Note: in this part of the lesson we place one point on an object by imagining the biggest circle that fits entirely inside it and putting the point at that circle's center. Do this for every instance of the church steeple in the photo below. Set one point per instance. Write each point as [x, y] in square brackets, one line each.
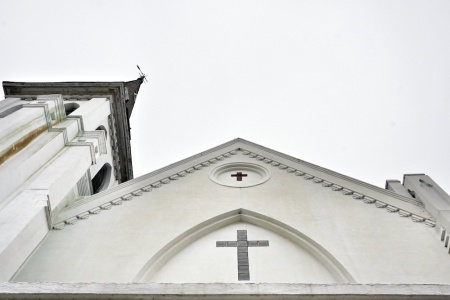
[61, 142]
[132, 90]
[122, 98]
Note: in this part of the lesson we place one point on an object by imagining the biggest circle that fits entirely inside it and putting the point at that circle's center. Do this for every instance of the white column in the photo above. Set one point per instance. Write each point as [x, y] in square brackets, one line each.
[24, 221]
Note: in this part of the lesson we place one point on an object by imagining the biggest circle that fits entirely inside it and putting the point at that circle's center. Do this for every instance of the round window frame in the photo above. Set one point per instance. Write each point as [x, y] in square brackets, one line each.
[240, 166]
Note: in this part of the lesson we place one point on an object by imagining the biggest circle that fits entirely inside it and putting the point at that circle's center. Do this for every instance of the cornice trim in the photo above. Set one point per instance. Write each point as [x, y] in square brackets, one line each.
[333, 173]
[69, 218]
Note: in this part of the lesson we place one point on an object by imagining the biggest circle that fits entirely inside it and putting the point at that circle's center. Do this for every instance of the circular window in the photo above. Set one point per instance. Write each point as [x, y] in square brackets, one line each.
[239, 175]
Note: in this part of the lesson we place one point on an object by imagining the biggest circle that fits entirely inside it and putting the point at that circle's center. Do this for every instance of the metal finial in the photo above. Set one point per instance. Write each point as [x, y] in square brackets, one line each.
[141, 74]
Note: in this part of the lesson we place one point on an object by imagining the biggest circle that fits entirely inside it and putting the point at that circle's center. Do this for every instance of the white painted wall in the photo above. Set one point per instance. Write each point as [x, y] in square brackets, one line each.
[37, 181]
[282, 261]
[118, 245]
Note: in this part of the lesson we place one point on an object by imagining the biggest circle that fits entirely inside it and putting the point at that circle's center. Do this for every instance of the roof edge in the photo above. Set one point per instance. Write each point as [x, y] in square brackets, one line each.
[280, 154]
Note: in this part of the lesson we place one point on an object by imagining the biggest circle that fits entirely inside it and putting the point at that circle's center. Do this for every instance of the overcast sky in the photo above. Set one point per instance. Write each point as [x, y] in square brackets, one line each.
[358, 87]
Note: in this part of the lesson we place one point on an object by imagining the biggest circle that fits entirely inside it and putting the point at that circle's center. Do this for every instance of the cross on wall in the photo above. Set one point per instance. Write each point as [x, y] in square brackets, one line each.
[238, 176]
[242, 245]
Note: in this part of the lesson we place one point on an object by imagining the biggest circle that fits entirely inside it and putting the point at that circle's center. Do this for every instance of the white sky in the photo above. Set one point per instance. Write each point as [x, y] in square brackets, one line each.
[359, 87]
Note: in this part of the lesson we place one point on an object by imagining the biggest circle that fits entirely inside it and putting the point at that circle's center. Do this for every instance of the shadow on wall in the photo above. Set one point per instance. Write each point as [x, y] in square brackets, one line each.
[70, 107]
[10, 110]
[101, 180]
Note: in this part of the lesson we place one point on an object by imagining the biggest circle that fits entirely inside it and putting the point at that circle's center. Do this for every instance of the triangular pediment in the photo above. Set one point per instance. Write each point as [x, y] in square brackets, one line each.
[142, 218]
[245, 152]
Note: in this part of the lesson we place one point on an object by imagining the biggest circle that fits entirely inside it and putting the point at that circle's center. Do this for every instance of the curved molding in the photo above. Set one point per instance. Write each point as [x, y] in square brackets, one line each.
[339, 272]
[257, 172]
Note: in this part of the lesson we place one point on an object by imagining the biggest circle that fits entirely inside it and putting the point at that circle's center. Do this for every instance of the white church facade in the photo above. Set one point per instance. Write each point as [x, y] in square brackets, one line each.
[236, 221]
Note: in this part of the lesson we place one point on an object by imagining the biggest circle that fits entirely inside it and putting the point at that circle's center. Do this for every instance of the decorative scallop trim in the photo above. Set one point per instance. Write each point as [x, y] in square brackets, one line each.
[336, 188]
[135, 193]
[379, 204]
[106, 206]
[404, 214]
[369, 200]
[95, 211]
[308, 177]
[392, 209]
[83, 216]
[347, 192]
[71, 221]
[117, 202]
[317, 180]
[174, 177]
[296, 172]
[358, 196]
[148, 188]
[417, 218]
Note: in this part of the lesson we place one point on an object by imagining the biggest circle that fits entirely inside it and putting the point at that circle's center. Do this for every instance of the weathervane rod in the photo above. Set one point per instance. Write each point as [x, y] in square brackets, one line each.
[141, 74]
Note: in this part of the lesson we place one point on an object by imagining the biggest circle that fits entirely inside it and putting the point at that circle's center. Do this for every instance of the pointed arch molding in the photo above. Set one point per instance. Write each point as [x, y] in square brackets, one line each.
[155, 263]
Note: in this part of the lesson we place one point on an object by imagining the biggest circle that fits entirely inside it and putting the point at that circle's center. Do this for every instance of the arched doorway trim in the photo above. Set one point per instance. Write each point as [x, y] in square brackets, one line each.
[242, 215]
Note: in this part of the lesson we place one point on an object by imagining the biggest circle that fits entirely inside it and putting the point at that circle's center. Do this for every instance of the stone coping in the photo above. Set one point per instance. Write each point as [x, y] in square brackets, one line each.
[22, 290]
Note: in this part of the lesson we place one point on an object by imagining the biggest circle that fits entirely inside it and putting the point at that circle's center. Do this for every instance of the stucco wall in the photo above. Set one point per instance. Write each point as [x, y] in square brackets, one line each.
[374, 246]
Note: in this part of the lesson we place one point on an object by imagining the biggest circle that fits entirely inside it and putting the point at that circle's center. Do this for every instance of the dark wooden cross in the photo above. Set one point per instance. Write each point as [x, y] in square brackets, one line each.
[242, 252]
[239, 176]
